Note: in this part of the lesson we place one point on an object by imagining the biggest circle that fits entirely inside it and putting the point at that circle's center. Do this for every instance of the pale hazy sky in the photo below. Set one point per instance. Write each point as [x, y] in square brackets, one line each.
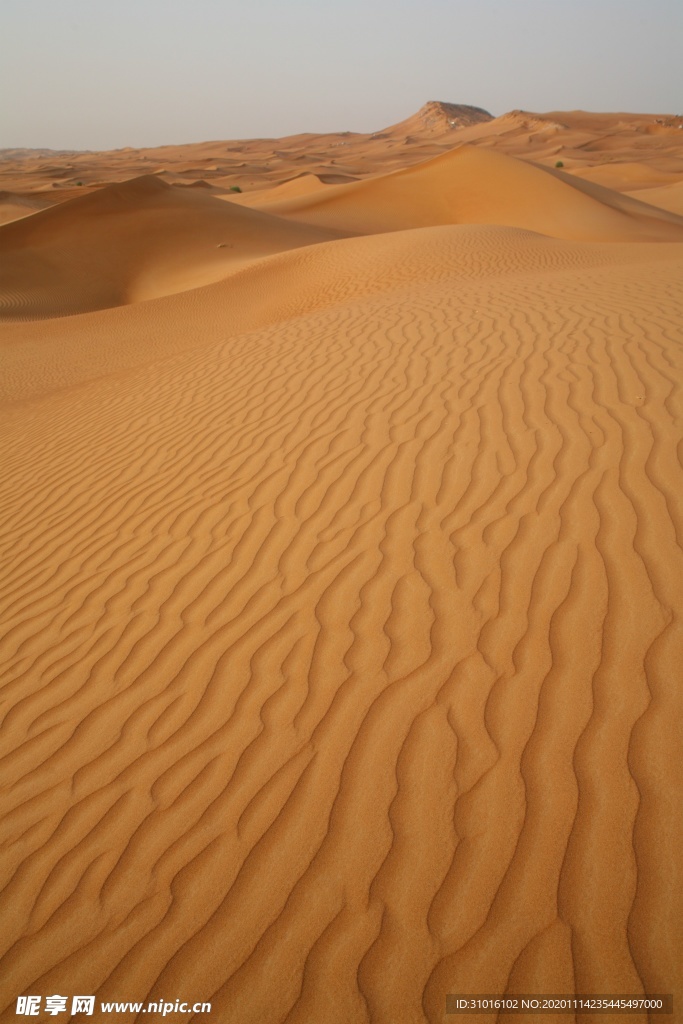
[102, 74]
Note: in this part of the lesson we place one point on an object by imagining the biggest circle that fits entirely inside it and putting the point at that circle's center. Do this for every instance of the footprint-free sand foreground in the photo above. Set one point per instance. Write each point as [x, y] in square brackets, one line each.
[342, 571]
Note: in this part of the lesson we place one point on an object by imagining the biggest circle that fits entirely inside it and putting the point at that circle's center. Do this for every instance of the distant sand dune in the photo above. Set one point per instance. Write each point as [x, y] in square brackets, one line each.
[341, 589]
[470, 185]
[302, 184]
[585, 142]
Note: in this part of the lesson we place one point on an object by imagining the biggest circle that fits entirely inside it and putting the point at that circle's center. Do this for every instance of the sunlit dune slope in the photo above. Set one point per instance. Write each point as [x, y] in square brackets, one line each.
[301, 185]
[129, 242]
[341, 646]
[472, 185]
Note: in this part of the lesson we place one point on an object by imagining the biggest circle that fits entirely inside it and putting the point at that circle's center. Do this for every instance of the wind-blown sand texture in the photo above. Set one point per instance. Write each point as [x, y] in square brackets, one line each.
[342, 572]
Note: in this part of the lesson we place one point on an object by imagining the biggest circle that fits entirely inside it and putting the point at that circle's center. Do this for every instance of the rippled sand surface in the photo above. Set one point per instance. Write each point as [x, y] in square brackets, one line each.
[341, 591]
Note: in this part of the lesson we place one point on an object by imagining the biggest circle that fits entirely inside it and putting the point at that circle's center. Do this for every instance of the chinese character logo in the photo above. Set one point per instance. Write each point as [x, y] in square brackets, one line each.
[83, 1004]
[28, 1006]
[55, 1004]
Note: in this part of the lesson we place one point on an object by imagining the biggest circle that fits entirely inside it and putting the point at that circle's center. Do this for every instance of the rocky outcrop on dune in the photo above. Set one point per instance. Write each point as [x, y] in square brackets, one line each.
[455, 115]
[529, 122]
[437, 118]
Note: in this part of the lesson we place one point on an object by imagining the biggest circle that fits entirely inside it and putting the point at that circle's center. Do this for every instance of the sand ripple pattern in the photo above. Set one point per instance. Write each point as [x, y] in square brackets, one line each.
[341, 656]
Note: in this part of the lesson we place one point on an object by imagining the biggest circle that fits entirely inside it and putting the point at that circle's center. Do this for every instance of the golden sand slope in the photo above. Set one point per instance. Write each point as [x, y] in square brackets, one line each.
[342, 607]
[130, 242]
[474, 186]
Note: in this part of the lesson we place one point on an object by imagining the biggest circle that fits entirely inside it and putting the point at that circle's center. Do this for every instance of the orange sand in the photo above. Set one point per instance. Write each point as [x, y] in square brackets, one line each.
[342, 572]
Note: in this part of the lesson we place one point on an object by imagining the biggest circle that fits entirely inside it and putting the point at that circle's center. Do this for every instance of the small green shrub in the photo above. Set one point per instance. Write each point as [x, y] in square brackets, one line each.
[79, 182]
[235, 188]
[559, 164]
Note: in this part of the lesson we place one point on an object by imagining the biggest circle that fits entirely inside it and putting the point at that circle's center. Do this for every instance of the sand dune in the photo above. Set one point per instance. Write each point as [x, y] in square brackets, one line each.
[469, 185]
[301, 185]
[145, 238]
[341, 594]
[131, 242]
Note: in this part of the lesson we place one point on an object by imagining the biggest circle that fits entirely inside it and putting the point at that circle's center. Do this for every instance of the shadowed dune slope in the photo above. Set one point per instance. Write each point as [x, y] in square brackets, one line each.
[342, 634]
[13, 207]
[129, 242]
[667, 197]
[470, 185]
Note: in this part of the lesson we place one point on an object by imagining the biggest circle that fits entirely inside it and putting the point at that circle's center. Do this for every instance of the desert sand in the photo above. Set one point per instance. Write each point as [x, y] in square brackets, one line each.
[342, 570]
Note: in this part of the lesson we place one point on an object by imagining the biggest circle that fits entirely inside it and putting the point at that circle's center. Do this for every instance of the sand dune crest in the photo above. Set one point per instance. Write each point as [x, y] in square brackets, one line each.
[128, 242]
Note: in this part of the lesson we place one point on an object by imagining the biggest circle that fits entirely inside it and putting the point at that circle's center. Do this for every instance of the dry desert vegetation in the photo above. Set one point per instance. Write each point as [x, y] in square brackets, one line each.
[342, 569]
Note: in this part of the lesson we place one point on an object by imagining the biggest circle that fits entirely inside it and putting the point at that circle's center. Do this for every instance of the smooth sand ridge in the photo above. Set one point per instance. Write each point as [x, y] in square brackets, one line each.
[668, 197]
[301, 185]
[470, 185]
[341, 655]
[130, 242]
[12, 206]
